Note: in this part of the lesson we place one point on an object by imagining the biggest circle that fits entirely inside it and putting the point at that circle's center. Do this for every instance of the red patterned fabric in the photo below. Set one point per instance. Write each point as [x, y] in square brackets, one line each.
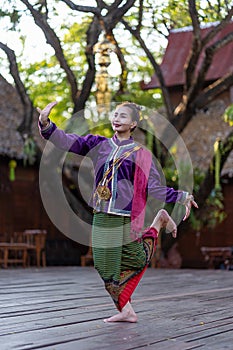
[149, 237]
[142, 170]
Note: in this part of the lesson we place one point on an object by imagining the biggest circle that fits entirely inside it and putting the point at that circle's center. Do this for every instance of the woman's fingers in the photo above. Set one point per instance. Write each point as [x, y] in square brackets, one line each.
[187, 212]
[188, 207]
[44, 113]
[194, 204]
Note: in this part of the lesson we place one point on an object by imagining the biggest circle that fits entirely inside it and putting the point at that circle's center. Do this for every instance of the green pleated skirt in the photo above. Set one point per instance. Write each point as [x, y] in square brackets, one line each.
[118, 259]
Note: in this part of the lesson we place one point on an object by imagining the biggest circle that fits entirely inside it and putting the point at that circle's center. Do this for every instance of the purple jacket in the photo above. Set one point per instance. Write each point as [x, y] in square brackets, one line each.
[103, 151]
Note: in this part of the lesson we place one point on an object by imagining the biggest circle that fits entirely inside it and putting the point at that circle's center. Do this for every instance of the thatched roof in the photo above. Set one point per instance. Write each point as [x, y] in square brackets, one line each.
[11, 116]
[11, 112]
[201, 133]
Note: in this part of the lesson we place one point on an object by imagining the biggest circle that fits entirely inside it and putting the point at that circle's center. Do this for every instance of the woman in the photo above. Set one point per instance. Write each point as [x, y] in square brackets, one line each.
[124, 176]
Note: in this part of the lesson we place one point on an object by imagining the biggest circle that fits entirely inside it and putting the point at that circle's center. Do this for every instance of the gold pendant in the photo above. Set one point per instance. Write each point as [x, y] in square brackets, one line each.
[103, 193]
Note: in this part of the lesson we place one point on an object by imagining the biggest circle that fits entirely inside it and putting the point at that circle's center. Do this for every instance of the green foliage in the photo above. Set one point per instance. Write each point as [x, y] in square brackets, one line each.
[105, 129]
[196, 224]
[228, 116]
[29, 151]
[12, 13]
[215, 213]
[46, 82]
[214, 208]
[214, 11]
[175, 13]
[136, 95]
[74, 44]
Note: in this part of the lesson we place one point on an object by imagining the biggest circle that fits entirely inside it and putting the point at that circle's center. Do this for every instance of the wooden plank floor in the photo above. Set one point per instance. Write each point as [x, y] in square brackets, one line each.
[62, 308]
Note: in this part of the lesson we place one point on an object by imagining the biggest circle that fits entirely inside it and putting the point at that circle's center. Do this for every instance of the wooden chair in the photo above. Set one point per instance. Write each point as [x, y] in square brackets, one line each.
[13, 253]
[87, 259]
[35, 241]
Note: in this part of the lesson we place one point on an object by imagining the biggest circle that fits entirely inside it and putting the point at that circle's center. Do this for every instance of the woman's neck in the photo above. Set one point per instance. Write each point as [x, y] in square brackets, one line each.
[123, 136]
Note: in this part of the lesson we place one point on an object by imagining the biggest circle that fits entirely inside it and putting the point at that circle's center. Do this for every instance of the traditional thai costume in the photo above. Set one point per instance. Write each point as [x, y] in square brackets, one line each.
[124, 176]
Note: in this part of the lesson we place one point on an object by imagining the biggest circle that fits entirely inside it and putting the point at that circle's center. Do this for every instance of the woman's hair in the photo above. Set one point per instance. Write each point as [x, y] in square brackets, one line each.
[136, 109]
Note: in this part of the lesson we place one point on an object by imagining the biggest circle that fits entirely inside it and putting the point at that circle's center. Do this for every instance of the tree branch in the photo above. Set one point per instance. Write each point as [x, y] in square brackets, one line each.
[93, 33]
[107, 23]
[115, 4]
[209, 54]
[156, 67]
[140, 16]
[213, 90]
[216, 29]
[25, 126]
[95, 10]
[54, 41]
[193, 84]
[119, 12]
[194, 54]
[121, 59]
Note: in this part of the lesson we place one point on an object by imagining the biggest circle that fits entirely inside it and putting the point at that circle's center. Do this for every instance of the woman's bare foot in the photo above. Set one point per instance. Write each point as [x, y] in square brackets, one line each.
[126, 315]
[163, 220]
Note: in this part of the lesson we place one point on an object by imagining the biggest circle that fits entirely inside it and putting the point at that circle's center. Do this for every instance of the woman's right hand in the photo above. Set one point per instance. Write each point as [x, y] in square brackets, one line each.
[44, 113]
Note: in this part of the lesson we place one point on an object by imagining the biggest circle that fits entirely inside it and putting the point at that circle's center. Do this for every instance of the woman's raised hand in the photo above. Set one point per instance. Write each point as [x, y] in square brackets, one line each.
[44, 113]
[189, 202]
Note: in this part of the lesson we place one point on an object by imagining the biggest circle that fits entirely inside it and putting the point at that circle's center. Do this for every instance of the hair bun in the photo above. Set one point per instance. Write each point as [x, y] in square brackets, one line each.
[135, 108]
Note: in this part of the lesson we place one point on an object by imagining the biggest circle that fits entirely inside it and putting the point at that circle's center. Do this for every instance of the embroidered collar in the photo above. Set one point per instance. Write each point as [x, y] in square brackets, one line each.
[122, 143]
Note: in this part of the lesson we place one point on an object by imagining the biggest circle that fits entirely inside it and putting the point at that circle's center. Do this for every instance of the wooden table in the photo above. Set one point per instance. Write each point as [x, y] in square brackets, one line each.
[16, 247]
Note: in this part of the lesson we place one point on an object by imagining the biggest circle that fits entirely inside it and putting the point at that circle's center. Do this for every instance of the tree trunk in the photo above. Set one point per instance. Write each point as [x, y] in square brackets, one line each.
[25, 127]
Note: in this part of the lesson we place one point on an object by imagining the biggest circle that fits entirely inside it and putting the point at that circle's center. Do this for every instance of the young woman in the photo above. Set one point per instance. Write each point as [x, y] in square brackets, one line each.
[124, 176]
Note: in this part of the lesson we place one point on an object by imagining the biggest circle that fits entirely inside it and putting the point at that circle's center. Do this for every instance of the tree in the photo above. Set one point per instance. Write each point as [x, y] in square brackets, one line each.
[139, 21]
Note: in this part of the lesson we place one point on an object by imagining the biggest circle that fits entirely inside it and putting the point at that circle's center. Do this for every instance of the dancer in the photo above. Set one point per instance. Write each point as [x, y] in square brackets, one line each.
[125, 175]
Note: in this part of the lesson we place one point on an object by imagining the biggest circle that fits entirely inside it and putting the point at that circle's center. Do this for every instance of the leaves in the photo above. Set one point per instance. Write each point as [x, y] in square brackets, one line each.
[29, 150]
[228, 116]
[215, 213]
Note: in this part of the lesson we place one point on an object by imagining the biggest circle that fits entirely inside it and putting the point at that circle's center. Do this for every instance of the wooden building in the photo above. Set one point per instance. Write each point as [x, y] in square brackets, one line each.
[21, 206]
[175, 56]
[201, 133]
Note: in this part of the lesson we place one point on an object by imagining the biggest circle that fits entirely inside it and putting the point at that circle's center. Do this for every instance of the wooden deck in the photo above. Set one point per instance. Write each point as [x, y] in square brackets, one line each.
[62, 308]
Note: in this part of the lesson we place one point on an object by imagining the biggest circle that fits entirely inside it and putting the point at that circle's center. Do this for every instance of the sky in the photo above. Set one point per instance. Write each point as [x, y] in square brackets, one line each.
[35, 47]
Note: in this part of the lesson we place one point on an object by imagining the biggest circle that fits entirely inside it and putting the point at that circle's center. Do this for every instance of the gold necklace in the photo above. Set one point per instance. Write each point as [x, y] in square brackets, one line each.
[102, 190]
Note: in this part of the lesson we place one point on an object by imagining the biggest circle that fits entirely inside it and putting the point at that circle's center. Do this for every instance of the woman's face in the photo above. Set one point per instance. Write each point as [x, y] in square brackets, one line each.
[122, 120]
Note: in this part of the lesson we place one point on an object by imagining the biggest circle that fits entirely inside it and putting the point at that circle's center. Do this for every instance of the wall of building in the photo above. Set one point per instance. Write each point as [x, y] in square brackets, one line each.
[220, 236]
[21, 208]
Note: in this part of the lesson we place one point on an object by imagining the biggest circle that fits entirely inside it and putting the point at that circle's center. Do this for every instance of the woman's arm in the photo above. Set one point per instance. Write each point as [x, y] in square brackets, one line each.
[62, 140]
[169, 194]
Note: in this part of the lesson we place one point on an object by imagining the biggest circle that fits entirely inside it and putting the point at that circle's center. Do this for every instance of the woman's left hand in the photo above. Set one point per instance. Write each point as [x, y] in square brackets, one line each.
[189, 202]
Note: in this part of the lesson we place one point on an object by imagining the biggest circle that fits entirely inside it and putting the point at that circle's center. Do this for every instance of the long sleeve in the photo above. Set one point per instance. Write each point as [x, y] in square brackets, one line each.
[161, 192]
[70, 142]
